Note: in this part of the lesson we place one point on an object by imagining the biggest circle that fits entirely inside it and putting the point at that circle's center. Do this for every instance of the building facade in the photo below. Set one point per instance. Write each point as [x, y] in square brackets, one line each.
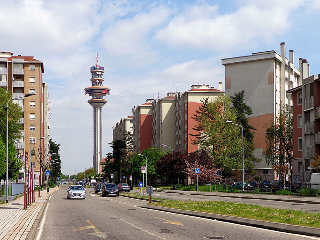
[306, 126]
[265, 77]
[22, 75]
[142, 126]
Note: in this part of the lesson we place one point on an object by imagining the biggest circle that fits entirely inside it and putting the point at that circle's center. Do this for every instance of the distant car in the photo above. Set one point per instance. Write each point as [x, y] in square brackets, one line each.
[76, 191]
[109, 189]
[97, 188]
[124, 187]
[238, 185]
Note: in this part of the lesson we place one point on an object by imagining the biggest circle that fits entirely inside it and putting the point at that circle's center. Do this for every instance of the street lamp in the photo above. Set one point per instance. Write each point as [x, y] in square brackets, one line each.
[7, 150]
[228, 121]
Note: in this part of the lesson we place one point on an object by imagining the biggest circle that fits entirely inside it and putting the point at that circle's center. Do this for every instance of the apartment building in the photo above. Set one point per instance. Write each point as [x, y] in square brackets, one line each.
[163, 123]
[22, 75]
[142, 126]
[123, 126]
[306, 126]
[186, 105]
[265, 77]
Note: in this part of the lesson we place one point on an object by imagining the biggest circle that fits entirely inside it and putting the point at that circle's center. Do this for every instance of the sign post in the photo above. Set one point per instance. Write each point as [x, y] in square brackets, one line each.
[143, 170]
[197, 171]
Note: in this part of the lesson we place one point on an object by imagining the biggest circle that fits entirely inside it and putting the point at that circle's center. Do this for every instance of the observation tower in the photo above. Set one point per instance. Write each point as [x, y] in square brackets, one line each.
[97, 91]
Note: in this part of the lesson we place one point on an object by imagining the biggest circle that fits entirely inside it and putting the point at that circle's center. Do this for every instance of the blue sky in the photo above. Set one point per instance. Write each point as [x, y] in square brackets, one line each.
[148, 48]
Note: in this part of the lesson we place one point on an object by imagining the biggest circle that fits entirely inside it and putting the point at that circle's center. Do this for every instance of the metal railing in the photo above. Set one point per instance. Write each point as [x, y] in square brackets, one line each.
[309, 102]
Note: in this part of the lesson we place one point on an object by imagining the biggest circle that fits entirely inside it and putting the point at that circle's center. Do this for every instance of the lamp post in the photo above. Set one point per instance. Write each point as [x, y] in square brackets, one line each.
[242, 151]
[7, 150]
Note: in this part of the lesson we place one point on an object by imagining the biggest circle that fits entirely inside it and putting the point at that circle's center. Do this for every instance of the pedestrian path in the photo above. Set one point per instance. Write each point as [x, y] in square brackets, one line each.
[15, 221]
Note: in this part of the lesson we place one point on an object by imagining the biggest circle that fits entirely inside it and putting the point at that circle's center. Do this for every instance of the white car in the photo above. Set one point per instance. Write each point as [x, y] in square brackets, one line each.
[76, 191]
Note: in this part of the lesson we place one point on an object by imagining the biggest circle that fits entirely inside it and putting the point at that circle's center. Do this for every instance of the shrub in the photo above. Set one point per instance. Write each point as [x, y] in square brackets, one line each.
[283, 192]
[308, 192]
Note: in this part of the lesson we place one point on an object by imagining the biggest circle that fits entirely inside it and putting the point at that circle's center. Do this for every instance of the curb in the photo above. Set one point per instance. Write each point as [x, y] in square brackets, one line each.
[281, 227]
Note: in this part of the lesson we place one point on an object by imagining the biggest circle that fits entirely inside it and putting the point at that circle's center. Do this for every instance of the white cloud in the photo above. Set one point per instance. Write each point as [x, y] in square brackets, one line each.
[255, 21]
[128, 37]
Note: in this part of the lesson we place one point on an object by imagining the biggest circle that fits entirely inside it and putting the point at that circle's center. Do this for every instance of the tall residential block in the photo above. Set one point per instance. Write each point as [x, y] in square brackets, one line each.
[265, 77]
[163, 123]
[142, 126]
[97, 92]
[22, 75]
[306, 126]
[186, 105]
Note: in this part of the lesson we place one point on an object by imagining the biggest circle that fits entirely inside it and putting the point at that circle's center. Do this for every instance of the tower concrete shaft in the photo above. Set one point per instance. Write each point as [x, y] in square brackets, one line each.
[97, 91]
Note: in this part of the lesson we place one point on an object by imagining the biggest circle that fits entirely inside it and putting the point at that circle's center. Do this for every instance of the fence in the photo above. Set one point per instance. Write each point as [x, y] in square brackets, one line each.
[13, 189]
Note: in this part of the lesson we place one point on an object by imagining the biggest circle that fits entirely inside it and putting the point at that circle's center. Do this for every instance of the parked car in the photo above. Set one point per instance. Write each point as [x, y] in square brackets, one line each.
[97, 187]
[264, 184]
[124, 187]
[76, 191]
[252, 185]
[238, 185]
[109, 189]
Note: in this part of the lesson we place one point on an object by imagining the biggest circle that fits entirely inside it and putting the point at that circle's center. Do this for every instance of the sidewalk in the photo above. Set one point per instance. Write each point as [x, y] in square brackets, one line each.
[16, 222]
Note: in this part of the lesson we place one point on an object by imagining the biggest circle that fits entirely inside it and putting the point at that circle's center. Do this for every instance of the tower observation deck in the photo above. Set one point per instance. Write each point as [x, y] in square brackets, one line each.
[97, 91]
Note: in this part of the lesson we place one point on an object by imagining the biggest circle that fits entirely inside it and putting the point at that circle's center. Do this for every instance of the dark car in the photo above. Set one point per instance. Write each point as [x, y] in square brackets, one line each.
[109, 189]
[97, 188]
[238, 185]
[124, 187]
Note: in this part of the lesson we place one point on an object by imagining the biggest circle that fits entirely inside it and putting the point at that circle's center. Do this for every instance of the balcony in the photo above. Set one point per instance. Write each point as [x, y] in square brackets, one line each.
[18, 84]
[3, 83]
[309, 152]
[3, 71]
[19, 71]
[309, 127]
[20, 145]
[308, 103]
[17, 95]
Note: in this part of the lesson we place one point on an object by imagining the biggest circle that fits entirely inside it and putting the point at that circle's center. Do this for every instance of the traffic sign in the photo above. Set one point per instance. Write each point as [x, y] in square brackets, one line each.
[143, 169]
[112, 176]
[140, 184]
[149, 190]
[197, 170]
[48, 173]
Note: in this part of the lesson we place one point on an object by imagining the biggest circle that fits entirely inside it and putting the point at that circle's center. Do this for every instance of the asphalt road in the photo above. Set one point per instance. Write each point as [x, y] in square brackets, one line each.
[120, 218]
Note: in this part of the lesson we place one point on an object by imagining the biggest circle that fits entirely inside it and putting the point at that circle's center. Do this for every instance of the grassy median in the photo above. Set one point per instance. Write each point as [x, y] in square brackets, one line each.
[243, 210]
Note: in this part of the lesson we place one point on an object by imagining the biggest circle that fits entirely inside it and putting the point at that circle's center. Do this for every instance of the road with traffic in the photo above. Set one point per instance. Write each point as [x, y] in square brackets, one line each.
[121, 218]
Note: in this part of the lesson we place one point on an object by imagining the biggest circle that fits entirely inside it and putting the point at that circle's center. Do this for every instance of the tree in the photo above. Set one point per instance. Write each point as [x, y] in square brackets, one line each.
[208, 171]
[315, 164]
[14, 133]
[172, 166]
[152, 156]
[242, 111]
[55, 160]
[279, 143]
[221, 140]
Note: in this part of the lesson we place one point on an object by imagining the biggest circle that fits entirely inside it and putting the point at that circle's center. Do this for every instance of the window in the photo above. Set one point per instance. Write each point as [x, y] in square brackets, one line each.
[299, 144]
[33, 152]
[32, 67]
[32, 79]
[32, 116]
[307, 165]
[300, 169]
[32, 140]
[299, 98]
[32, 103]
[265, 171]
[32, 128]
[32, 91]
[299, 121]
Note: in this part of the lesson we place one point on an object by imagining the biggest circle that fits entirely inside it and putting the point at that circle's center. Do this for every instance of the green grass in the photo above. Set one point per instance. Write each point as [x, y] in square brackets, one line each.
[247, 211]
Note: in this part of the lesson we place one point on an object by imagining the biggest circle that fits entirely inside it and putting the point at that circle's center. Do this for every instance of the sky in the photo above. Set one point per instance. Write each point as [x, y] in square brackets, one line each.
[148, 48]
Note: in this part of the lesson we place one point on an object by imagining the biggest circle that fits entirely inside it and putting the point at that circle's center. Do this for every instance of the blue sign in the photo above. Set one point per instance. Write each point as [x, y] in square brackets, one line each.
[48, 173]
[58, 178]
[140, 184]
[197, 170]
[124, 177]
